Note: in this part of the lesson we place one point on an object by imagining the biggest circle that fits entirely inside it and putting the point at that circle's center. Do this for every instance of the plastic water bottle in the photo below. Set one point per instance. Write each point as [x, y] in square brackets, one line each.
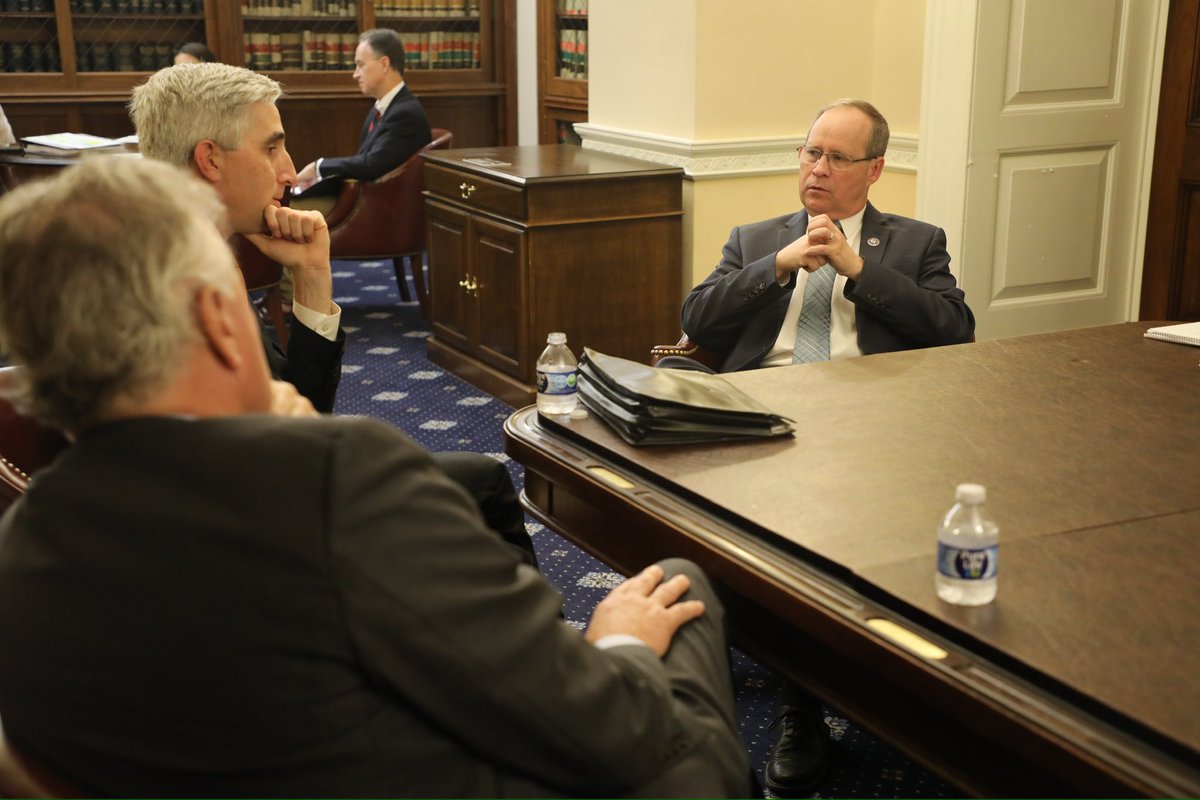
[968, 550]
[557, 377]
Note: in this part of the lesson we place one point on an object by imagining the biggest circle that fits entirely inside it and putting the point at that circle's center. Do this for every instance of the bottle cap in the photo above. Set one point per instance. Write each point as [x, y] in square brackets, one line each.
[556, 338]
[970, 493]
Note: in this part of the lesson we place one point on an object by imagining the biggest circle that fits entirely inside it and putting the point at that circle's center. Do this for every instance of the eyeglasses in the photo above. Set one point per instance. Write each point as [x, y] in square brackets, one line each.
[809, 156]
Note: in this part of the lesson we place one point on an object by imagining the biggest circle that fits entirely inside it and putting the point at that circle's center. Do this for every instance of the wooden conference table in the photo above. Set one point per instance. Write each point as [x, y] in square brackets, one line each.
[1082, 678]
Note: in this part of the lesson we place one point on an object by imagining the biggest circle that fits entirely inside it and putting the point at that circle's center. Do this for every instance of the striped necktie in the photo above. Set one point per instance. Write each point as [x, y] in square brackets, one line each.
[812, 330]
[374, 119]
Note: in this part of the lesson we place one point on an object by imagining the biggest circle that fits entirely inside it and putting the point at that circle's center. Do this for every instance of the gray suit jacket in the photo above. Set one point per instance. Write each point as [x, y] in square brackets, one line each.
[904, 299]
[169, 627]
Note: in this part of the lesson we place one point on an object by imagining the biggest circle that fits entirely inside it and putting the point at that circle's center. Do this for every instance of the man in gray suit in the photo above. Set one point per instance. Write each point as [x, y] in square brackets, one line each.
[837, 279]
[886, 279]
[164, 632]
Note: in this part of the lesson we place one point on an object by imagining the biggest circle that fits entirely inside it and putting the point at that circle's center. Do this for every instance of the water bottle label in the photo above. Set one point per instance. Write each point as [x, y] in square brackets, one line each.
[966, 564]
[556, 383]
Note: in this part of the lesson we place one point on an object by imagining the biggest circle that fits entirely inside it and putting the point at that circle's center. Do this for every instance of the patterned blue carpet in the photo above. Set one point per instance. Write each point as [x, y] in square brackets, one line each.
[385, 375]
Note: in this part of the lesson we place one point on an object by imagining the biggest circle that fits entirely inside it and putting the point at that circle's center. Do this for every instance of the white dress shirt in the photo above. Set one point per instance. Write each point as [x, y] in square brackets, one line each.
[843, 329]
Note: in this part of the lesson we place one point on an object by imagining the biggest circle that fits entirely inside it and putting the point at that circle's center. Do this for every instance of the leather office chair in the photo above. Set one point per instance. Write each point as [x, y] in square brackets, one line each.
[21, 775]
[26, 445]
[686, 347]
[385, 218]
[261, 272]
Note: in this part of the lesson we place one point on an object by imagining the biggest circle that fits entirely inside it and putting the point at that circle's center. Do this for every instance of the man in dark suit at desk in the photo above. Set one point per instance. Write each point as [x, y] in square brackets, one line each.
[221, 123]
[394, 129]
[837, 279]
[164, 633]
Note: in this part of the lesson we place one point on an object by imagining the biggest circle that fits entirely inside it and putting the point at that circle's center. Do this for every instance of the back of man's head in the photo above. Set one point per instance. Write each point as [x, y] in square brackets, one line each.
[180, 106]
[96, 284]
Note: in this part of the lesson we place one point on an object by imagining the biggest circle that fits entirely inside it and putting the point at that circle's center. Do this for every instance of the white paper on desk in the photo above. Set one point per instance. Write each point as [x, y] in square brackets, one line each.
[1183, 333]
[71, 141]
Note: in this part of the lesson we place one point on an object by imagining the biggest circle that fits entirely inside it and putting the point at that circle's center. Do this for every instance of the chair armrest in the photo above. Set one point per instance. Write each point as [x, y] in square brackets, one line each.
[687, 348]
[347, 199]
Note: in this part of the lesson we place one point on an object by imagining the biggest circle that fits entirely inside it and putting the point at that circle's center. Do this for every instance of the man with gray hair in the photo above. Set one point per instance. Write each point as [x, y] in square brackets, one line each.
[221, 123]
[395, 128]
[164, 633]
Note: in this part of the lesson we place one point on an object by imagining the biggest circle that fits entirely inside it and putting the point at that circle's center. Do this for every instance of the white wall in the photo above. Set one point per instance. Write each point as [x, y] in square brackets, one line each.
[527, 85]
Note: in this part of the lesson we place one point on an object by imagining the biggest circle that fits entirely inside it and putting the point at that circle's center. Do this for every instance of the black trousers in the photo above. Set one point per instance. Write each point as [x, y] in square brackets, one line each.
[487, 480]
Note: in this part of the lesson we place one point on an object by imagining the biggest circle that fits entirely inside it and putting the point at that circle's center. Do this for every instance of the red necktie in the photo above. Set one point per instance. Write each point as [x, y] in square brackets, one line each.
[374, 119]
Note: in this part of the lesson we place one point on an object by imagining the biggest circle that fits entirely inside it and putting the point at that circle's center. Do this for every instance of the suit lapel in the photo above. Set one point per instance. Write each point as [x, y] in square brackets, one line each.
[874, 229]
[792, 230]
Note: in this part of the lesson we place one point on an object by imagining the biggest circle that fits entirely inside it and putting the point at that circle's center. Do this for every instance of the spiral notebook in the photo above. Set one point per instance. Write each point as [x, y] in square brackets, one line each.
[1183, 333]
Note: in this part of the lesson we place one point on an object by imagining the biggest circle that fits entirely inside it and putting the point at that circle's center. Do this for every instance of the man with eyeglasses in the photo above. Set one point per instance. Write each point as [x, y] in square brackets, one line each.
[835, 280]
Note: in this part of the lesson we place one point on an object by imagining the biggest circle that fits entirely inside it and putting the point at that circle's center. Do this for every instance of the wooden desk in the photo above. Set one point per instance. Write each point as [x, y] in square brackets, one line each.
[17, 168]
[1082, 676]
[528, 240]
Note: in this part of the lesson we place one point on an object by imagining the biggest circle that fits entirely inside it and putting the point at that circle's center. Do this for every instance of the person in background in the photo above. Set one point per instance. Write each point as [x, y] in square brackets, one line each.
[836, 279]
[194, 53]
[394, 130]
[6, 132]
[220, 122]
[187, 642]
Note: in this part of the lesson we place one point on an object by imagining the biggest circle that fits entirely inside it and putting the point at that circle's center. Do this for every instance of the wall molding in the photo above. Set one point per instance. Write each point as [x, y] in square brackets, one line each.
[724, 158]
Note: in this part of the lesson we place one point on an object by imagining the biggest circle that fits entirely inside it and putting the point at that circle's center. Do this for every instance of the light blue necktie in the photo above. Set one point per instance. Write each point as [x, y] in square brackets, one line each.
[812, 332]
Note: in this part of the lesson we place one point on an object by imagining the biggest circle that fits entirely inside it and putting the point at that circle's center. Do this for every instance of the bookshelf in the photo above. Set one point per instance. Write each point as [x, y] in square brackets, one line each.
[69, 65]
[562, 69]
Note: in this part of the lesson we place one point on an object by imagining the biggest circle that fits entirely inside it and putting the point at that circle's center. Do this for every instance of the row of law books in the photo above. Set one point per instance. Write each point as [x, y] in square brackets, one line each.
[322, 50]
[163, 7]
[346, 9]
[303, 50]
[427, 8]
[572, 54]
[122, 56]
[448, 49]
[573, 8]
[27, 6]
[30, 57]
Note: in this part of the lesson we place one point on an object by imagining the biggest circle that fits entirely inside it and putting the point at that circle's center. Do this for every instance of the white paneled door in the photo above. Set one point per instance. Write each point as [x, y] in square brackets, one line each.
[1056, 169]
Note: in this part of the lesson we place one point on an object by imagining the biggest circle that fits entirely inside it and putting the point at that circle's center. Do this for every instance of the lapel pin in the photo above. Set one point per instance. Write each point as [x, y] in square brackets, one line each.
[873, 241]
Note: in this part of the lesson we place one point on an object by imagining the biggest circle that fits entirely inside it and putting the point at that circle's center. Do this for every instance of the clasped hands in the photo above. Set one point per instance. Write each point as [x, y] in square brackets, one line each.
[821, 244]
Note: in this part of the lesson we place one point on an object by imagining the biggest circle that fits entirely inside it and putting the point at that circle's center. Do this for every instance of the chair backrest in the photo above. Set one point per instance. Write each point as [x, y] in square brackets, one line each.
[259, 271]
[387, 218]
[26, 445]
[21, 775]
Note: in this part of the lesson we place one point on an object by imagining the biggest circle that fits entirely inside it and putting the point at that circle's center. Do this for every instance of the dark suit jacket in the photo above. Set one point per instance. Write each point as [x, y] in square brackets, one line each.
[313, 364]
[403, 130]
[168, 629]
[904, 299]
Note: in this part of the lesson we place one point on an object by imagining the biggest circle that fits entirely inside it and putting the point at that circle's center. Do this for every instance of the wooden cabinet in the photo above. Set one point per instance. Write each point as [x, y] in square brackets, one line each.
[70, 64]
[528, 240]
[562, 69]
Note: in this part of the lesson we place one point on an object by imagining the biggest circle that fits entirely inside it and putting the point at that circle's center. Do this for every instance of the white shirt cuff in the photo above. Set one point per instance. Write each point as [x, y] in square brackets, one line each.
[319, 160]
[618, 640]
[325, 324]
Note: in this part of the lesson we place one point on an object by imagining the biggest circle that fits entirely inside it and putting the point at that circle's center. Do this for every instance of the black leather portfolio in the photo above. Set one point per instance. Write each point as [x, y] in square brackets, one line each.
[646, 405]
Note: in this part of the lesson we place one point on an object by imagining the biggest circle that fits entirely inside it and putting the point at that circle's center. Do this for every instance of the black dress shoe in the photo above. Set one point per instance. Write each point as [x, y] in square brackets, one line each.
[800, 757]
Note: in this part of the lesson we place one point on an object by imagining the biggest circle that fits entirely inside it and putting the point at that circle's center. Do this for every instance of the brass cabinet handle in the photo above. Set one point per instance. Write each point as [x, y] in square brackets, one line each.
[469, 285]
[465, 190]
